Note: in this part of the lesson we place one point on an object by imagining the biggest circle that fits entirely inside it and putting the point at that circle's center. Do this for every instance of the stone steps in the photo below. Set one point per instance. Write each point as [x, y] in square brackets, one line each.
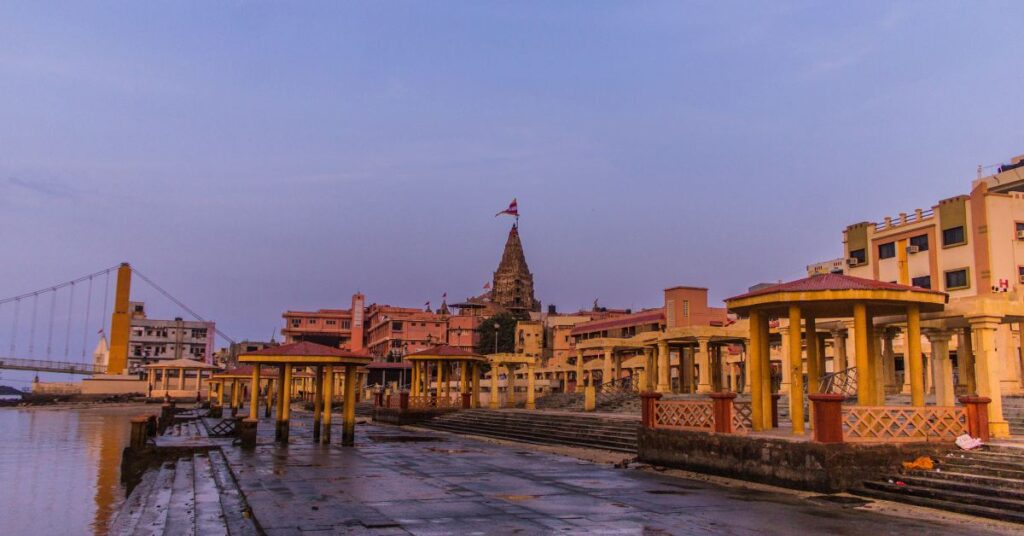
[194, 495]
[987, 483]
[536, 427]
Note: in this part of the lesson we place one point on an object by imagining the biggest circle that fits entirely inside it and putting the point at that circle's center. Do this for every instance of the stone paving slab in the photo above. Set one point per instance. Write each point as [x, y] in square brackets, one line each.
[401, 481]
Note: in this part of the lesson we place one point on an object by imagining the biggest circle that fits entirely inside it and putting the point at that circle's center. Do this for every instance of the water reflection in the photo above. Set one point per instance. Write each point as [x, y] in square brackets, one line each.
[61, 468]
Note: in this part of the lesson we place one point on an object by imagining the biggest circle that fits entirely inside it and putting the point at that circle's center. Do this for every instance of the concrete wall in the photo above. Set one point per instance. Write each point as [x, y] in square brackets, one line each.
[114, 386]
[793, 464]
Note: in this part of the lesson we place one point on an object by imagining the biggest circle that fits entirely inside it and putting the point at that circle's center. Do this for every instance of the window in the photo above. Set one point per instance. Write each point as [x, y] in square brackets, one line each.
[1020, 274]
[859, 255]
[925, 281]
[296, 322]
[331, 322]
[956, 279]
[396, 326]
[887, 251]
[921, 241]
[953, 236]
[686, 308]
[345, 324]
[312, 321]
[1020, 231]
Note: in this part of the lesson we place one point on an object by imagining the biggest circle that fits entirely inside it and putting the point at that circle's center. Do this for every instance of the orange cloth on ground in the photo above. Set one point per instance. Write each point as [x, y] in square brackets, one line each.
[924, 463]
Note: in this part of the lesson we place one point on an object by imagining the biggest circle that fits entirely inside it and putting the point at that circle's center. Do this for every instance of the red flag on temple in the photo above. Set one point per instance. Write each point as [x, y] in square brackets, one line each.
[487, 286]
[512, 210]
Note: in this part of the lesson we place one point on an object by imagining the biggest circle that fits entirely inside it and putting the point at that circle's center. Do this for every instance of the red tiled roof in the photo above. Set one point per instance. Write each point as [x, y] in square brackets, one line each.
[444, 350]
[636, 319]
[824, 282]
[306, 348]
[246, 370]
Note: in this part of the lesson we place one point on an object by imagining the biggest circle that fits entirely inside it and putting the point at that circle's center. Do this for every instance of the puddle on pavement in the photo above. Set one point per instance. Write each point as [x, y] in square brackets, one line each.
[450, 451]
[401, 439]
[667, 492]
[517, 497]
[841, 500]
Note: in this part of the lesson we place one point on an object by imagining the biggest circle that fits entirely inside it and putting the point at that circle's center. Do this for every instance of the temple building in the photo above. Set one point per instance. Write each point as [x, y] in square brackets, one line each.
[512, 288]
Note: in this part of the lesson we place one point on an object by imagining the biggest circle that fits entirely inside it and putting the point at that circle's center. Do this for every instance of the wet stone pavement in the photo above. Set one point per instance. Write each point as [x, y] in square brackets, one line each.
[400, 481]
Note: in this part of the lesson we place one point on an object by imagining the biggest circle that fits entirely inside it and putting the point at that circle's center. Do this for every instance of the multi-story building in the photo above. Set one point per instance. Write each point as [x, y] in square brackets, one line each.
[338, 328]
[970, 246]
[832, 266]
[153, 340]
[228, 357]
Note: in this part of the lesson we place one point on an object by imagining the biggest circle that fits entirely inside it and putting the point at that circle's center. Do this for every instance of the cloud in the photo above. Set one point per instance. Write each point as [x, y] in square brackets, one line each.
[49, 188]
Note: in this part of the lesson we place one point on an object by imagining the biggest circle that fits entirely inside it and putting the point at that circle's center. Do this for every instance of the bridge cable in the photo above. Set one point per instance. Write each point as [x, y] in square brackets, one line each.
[67, 334]
[14, 328]
[179, 303]
[85, 325]
[32, 330]
[57, 287]
[49, 329]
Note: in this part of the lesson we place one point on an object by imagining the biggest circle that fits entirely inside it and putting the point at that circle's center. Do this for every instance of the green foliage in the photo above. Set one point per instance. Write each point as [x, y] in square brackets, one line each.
[506, 334]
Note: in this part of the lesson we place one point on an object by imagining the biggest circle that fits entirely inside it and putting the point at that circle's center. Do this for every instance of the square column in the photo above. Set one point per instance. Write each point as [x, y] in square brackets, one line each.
[348, 422]
[578, 388]
[1009, 357]
[913, 350]
[785, 354]
[664, 381]
[651, 370]
[606, 372]
[325, 434]
[495, 402]
[796, 391]
[865, 397]
[686, 370]
[942, 367]
[839, 362]
[889, 360]
[766, 372]
[965, 360]
[814, 356]
[254, 394]
[988, 372]
[475, 398]
[318, 401]
[530, 388]
[703, 359]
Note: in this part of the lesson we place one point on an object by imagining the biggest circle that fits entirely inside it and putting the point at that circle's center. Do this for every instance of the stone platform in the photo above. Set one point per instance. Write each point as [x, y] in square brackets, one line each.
[398, 481]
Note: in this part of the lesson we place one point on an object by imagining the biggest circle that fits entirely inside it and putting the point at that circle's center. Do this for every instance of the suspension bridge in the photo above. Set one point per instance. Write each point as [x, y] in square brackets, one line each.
[53, 329]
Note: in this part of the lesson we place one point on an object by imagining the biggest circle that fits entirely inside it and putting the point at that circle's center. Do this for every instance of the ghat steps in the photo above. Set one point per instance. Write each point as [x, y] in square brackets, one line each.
[985, 483]
[571, 429]
[193, 495]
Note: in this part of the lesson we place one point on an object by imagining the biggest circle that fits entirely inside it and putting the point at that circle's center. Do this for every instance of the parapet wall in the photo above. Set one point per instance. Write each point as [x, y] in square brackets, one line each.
[826, 468]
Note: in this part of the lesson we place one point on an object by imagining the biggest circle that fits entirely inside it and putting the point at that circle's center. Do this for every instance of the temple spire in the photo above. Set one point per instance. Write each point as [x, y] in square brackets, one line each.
[513, 282]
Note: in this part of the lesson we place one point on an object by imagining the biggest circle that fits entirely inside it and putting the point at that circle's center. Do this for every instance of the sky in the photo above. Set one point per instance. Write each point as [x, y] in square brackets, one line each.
[253, 157]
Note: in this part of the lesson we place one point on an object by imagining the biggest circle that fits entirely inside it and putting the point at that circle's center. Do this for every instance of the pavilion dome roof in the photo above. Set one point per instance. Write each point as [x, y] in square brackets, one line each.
[825, 282]
[306, 348]
[444, 351]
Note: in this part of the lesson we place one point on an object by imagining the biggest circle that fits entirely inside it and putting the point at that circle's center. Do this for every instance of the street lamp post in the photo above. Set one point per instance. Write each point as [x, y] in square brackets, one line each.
[496, 327]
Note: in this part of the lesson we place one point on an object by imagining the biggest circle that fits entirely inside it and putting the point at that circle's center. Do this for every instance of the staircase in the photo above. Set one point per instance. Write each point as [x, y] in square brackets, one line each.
[985, 483]
[562, 401]
[195, 494]
[1013, 412]
[571, 429]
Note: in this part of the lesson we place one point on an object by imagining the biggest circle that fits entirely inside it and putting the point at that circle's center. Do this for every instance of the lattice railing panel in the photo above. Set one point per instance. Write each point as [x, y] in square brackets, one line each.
[684, 415]
[887, 424]
[742, 417]
[428, 401]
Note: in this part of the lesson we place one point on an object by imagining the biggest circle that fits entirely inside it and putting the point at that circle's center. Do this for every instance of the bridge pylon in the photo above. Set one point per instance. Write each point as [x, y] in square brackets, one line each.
[121, 321]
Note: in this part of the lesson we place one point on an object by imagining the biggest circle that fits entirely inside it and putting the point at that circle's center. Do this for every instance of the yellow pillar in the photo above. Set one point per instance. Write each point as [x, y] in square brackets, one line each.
[120, 322]
[318, 401]
[463, 377]
[754, 372]
[796, 390]
[913, 351]
[254, 393]
[234, 395]
[495, 397]
[766, 369]
[150, 379]
[325, 435]
[861, 342]
[181, 379]
[348, 424]
[475, 399]
[440, 378]
[530, 388]
[579, 370]
[607, 376]
[650, 369]
[814, 359]
[165, 379]
[988, 372]
[664, 381]
[703, 365]
[965, 360]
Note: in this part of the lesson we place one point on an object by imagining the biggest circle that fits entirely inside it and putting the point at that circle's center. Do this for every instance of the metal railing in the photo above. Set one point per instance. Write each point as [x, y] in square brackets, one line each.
[843, 382]
[41, 365]
[900, 424]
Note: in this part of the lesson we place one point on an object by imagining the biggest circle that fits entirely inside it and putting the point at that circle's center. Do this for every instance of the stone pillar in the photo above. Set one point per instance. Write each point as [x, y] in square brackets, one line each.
[814, 358]
[703, 358]
[664, 381]
[181, 379]
[888, 361]
[650, 370]
[839, 362]
[988, 373]
[530, 388]
[1009, 357]
[942, 368]
[768, 400]
[495, 402]
[165, 379]
[476, 385]
[965, 360]
[785, 355]
[578, 388]
[325, 435]
[745, 370]
[913, 350]
[686, 369]
[234, 398]
[796, 391]
[348, 423]
[607, 376]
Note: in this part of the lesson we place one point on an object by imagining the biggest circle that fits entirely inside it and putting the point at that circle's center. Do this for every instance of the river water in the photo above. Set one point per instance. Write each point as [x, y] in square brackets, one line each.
[61, 468]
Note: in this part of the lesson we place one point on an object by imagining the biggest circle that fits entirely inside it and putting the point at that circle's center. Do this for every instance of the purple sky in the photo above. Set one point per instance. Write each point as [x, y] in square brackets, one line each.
[255, 157]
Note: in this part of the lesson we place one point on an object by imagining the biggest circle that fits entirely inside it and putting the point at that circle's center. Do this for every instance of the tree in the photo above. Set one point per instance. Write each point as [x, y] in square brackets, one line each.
[506, 334]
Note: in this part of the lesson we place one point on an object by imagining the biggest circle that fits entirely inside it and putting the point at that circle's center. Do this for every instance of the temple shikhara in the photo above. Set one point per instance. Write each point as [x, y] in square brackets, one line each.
[512, 288]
